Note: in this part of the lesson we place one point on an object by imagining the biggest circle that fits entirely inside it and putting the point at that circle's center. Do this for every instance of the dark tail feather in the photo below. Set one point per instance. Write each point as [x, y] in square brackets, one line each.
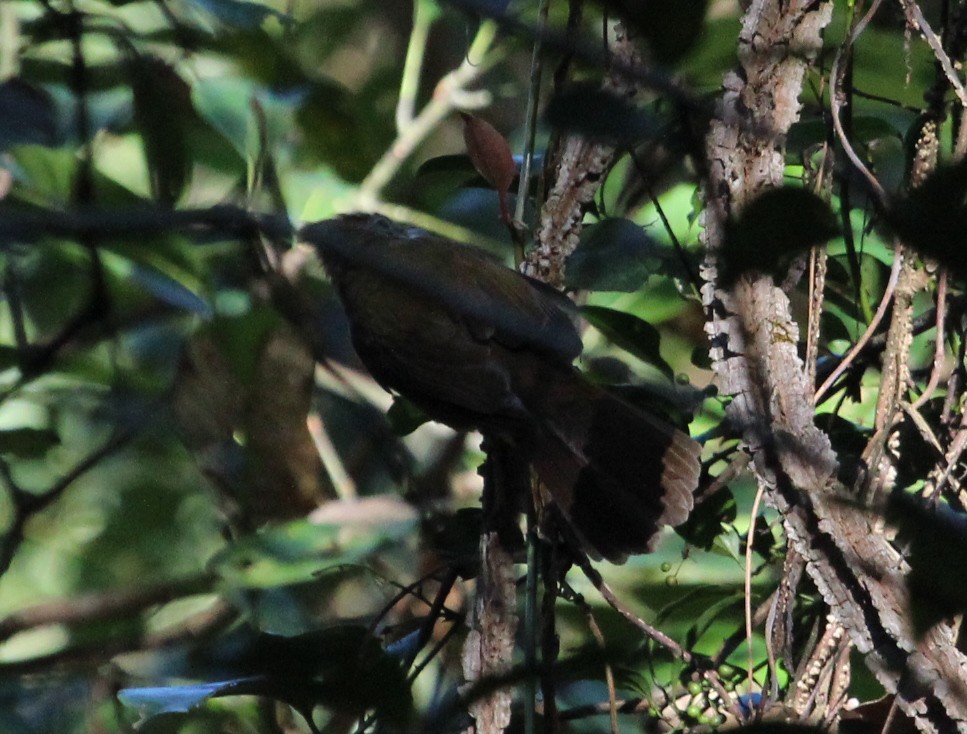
[617, 473]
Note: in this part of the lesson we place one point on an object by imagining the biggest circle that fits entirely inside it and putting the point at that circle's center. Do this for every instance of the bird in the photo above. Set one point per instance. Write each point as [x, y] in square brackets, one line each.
[479, 346]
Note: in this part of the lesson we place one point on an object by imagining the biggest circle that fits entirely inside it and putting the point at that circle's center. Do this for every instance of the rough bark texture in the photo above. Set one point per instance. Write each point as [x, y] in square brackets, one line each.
[754, 348]
[580, 171]
[489, 649]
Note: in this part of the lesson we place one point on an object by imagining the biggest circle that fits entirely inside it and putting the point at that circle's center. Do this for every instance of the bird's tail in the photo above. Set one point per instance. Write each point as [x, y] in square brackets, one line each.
[617, 473]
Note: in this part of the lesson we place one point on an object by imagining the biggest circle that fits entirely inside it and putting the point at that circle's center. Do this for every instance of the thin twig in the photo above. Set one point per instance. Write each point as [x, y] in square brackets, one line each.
[609, 596]
[101, 606]
[425, 13]
[938, 351]
[530, 116]
[753, 516]
[836, 101]
[861, 342]
[450, 93]
[916, 20]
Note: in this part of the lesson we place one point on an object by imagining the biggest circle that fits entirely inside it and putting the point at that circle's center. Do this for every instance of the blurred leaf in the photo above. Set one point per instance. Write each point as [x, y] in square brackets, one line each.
[711, 613]
[457, 163]
[728, 543]
[239, 14]
[932, 219]
[43, 175]
[10, 356]
[774, 228]
[27, 113]
[707, 521]
[27, 443]
[343, 668]
[225, 104]
[613, 255]
[335, 131]
[169, 699]
[600, 116]
[340, 533]
[170, 291]
[315, 38]
[162, 112]
[672, 29]
[636, 336]
[933, 535]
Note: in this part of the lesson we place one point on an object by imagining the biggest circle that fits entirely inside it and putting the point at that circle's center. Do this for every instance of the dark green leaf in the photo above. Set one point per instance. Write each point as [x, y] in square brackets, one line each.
[27, 443]
[27, 113]
[934, 535]
[774, 228]
[599, 115]
[614, 255]
[635, 335]
[705, 522]
[405, 417]
[162, 112]
[335, 131]
[343, 668]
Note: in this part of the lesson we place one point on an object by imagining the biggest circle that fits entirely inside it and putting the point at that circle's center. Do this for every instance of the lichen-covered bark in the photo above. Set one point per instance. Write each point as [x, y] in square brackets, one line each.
[755, 354]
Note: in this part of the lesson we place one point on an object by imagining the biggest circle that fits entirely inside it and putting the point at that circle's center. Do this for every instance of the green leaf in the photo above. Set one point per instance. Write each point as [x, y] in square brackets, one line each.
[613, 255]
[709, 519]
[162, 112]
[778, 225]
[299, 551]
[226, 104]
[43, 175]
[728, 544]
[335, 130]
[635, 335]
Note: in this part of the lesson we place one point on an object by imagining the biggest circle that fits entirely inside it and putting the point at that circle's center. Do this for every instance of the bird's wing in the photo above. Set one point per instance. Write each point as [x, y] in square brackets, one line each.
[412, 345]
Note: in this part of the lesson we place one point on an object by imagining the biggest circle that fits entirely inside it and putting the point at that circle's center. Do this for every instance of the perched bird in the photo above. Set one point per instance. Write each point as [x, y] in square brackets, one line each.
[478, 345]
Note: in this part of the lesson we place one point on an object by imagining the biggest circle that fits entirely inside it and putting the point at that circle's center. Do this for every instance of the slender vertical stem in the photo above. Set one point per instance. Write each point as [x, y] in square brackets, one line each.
[530, 119]
[425, 13]
[530, 624]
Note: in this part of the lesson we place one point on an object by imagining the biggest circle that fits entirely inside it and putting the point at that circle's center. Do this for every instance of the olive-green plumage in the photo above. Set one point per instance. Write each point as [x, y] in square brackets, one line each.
[478, 345]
